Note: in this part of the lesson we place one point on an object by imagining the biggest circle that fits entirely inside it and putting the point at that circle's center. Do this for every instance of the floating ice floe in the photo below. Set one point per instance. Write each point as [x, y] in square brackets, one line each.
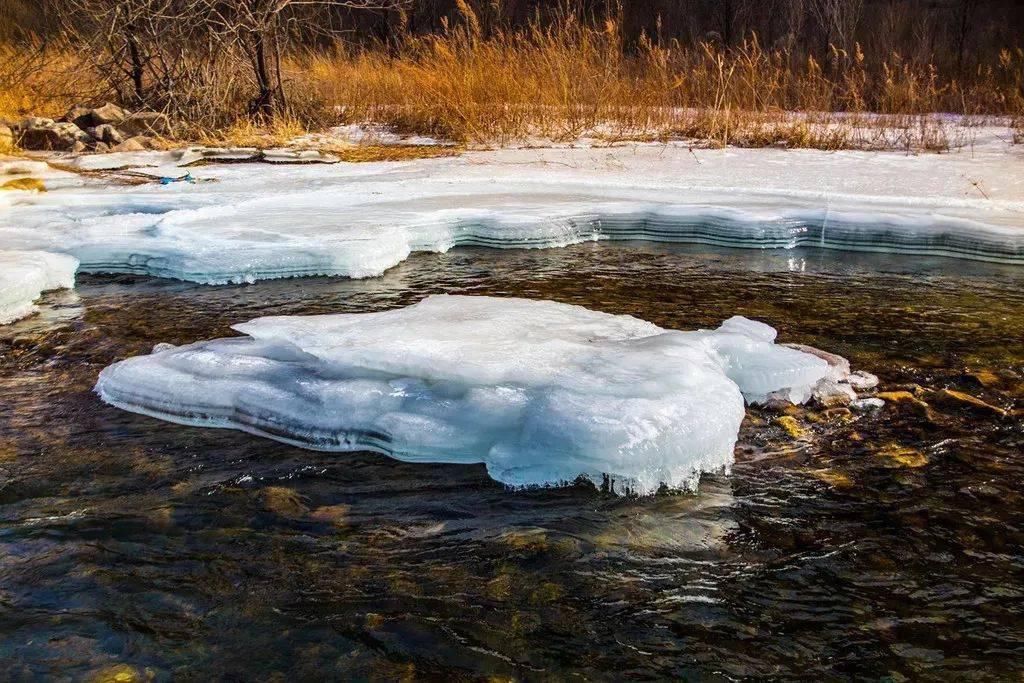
[540, 392]
[25, 275]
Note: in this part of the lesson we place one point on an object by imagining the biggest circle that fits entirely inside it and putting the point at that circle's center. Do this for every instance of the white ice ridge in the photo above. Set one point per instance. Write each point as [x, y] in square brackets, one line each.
[260, 221]
[25, 275]
[540, 392]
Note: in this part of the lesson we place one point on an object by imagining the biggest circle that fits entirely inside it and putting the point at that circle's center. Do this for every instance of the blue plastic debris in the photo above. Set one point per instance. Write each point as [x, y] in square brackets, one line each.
[187, 178]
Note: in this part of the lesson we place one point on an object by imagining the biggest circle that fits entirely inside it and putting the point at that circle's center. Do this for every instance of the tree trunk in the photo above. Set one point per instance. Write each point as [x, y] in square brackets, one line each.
[264, 105]
[137, 67]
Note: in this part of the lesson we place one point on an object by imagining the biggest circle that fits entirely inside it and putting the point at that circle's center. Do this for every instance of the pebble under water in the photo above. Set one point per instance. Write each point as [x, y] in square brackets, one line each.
[885, 545]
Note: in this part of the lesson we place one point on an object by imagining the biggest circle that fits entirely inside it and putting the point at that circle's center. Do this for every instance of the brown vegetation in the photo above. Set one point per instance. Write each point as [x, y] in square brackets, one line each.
[572, 80]
[808, 73]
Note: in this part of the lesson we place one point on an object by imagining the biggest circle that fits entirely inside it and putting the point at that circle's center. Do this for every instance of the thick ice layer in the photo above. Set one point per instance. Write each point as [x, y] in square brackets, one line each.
[258, 221]
[24, 275]
[540, 392]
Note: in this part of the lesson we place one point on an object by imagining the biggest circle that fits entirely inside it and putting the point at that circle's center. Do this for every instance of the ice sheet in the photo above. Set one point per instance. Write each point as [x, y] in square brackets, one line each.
[258, 221]
[24, 275]
[541, 392]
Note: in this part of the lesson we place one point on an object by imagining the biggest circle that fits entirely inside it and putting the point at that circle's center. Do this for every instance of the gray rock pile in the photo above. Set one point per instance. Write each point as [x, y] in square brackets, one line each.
[83, 129]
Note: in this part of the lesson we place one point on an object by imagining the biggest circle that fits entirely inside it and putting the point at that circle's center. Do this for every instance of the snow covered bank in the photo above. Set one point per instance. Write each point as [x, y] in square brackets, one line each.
[24, 275]
[540, 392]
[258, 221]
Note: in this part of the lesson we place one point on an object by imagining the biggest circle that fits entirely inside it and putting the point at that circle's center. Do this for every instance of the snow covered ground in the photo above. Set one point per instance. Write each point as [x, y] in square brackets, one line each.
[541, 392]
[245, 222]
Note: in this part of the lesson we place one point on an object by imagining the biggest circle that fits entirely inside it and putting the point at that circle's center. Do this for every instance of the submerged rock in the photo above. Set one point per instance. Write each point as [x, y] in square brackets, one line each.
[830, 393]
[790, 425]
[904, 400]
[898, 456]
[958, 400]
[836, 480]
[867, 405]
[862, 381]
[283, 501]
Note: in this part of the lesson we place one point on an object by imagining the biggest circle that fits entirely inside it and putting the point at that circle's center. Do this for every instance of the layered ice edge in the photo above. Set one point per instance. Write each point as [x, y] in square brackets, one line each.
[314, 242]
[25, 275]
[540, 392]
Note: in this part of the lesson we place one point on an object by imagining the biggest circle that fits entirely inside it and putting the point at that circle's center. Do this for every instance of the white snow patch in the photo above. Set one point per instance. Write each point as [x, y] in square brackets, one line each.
[25, 275]
[541, 392]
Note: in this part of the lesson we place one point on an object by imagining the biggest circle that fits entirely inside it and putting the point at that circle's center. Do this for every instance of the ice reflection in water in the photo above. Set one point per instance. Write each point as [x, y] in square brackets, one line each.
[127, 542]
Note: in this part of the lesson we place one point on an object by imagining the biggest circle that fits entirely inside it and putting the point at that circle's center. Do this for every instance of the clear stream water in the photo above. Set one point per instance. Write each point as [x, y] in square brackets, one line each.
[132, 546]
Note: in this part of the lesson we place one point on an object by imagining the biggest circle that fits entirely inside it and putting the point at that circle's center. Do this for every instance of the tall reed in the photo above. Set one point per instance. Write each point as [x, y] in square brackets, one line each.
[562, 81]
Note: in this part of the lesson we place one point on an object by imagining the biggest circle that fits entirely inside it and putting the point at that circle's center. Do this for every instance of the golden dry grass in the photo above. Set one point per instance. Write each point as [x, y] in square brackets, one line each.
[570, 80]
[563, 82]
[246, 133]
[33, 83]
[368, 153]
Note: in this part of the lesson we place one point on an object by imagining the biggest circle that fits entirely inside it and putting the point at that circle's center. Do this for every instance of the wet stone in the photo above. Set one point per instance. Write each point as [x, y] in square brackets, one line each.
[958, 400]
[793, 428]
[898, 456]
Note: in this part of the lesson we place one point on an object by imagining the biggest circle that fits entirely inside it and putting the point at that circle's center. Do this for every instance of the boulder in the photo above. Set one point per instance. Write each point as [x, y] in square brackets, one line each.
[106, 132]
[50, 136]
[138, 143]
[145, 123]
[33, 122]
[85, 117]
[108, 114]
[80, 116]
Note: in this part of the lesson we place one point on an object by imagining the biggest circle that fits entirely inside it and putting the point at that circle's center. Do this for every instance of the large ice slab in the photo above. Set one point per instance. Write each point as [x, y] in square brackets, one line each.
[25, 275]
[247, 222]
[541, 392]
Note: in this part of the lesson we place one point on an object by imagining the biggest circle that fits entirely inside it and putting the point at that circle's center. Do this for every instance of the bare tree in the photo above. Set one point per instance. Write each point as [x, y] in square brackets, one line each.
[258, 27]
[838, 20]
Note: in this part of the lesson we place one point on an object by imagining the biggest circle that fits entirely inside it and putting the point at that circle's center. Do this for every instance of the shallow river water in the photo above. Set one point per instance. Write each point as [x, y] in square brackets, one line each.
[888, 545]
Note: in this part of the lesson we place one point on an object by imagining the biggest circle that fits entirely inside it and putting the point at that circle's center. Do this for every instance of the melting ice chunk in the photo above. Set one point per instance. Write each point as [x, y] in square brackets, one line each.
[24, 275]
[541, 392]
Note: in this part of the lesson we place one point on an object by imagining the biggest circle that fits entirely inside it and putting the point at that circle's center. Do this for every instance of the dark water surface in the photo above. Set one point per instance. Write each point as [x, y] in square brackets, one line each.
[882, 546]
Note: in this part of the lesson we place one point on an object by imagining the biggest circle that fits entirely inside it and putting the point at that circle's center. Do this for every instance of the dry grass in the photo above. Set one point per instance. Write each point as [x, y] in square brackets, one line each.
[38, 83]
[246, 133]
[367, 153]
[565, 82]
[562, 82]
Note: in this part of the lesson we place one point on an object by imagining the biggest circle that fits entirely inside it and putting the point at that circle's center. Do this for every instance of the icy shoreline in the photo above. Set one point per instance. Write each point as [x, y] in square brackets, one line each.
[540, 392]
[247, 222]
[25, 275]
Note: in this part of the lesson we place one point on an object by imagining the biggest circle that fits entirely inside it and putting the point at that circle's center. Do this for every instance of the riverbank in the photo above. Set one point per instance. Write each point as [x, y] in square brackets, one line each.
[300, 211]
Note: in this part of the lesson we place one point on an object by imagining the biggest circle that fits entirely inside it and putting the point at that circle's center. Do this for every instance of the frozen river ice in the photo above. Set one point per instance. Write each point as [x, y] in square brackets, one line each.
[542, 393]
[249, 222]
